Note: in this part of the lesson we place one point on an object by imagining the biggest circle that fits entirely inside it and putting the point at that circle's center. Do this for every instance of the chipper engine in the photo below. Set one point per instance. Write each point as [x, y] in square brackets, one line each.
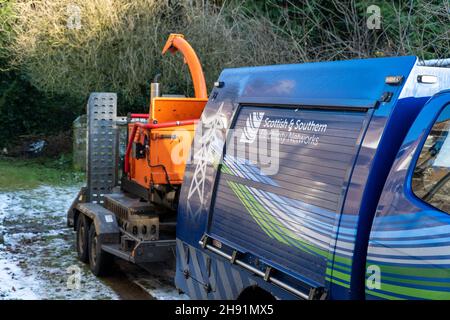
[131, 212]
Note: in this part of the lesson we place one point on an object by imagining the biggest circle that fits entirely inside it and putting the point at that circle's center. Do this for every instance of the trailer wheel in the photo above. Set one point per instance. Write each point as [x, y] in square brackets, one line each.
[82, 238]
[100, 261]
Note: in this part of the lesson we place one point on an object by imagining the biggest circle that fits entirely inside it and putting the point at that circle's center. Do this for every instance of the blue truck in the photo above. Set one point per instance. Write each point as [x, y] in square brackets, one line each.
[324, 180]
[359, 207]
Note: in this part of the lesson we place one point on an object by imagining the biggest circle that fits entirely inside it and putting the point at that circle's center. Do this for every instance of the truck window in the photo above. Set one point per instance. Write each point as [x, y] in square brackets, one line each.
[431, 179]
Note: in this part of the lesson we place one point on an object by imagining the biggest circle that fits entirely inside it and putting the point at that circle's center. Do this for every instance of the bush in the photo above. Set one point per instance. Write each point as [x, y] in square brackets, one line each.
[118, 46]
[7, 18]
[24, 110]
[335, 29]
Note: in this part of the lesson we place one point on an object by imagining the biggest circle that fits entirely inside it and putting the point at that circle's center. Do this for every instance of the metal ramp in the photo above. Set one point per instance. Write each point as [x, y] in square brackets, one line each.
[102, 146]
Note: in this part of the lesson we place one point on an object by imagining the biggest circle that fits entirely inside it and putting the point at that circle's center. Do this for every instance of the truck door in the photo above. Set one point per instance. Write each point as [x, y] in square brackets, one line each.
[281, 185]
[409, 248]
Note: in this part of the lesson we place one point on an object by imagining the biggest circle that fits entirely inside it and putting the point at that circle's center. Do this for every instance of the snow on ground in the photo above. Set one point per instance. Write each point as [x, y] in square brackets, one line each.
[157, 280]
[14, 281]
[38, 258]
[160, 290]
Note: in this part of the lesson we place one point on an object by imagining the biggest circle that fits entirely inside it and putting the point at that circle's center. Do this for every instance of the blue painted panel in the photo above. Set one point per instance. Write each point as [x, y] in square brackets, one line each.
[409, 239]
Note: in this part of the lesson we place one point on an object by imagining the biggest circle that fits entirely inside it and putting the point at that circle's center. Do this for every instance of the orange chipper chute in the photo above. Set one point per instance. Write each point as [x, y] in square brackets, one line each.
[161, 135]
[176, 42]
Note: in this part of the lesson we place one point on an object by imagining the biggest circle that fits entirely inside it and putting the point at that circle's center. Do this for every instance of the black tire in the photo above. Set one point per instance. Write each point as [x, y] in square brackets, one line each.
[82, 238]
[100, 261]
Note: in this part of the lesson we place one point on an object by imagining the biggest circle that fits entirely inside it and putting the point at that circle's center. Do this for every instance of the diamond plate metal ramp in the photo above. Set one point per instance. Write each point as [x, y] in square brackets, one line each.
[102, 146]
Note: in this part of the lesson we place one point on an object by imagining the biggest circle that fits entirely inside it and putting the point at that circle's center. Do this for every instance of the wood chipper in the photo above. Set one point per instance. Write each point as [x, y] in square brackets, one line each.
[132, 215]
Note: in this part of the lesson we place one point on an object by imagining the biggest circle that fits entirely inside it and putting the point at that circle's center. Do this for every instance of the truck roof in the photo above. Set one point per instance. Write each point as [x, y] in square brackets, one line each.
[350, 82]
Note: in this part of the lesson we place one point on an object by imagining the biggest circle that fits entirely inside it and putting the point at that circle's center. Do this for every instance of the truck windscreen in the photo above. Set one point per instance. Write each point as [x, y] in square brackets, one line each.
[431, 179]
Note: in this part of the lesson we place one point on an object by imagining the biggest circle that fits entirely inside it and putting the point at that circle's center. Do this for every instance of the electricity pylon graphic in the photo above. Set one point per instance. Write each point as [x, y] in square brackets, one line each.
[211, 145]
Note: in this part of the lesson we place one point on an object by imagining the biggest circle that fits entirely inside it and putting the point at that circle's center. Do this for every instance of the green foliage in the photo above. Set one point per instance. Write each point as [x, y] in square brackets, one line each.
[411, 28]
[118, 46]
[7, 17]
[25, 110]
[333, 29]
[27, 174]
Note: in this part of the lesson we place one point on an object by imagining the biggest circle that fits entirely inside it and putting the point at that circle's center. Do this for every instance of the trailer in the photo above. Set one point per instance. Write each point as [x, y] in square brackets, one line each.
[128, 207]
[305, 181]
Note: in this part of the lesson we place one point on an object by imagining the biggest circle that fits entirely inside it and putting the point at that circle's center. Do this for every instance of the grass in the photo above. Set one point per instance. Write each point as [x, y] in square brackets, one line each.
[22, 174]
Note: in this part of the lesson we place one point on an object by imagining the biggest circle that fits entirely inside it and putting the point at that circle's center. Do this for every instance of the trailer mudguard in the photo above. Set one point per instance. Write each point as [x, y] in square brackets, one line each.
[71, 212]
[409, 249]
[105, 221]
[102, 145]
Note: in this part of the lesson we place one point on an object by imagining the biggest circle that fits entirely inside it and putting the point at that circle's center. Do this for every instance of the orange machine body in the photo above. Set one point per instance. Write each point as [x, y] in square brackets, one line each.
[164, 150]
[168, 148]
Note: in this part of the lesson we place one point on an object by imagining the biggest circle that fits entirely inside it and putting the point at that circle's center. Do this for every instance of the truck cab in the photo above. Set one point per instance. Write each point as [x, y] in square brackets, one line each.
[303, 183]
[407, 256]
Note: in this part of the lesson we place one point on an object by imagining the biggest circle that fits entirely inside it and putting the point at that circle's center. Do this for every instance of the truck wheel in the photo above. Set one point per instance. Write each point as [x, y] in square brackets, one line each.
[100, 261]
[82, 238]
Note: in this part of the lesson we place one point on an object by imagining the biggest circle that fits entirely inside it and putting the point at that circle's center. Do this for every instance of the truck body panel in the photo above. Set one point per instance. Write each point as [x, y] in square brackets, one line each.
[295, 209]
